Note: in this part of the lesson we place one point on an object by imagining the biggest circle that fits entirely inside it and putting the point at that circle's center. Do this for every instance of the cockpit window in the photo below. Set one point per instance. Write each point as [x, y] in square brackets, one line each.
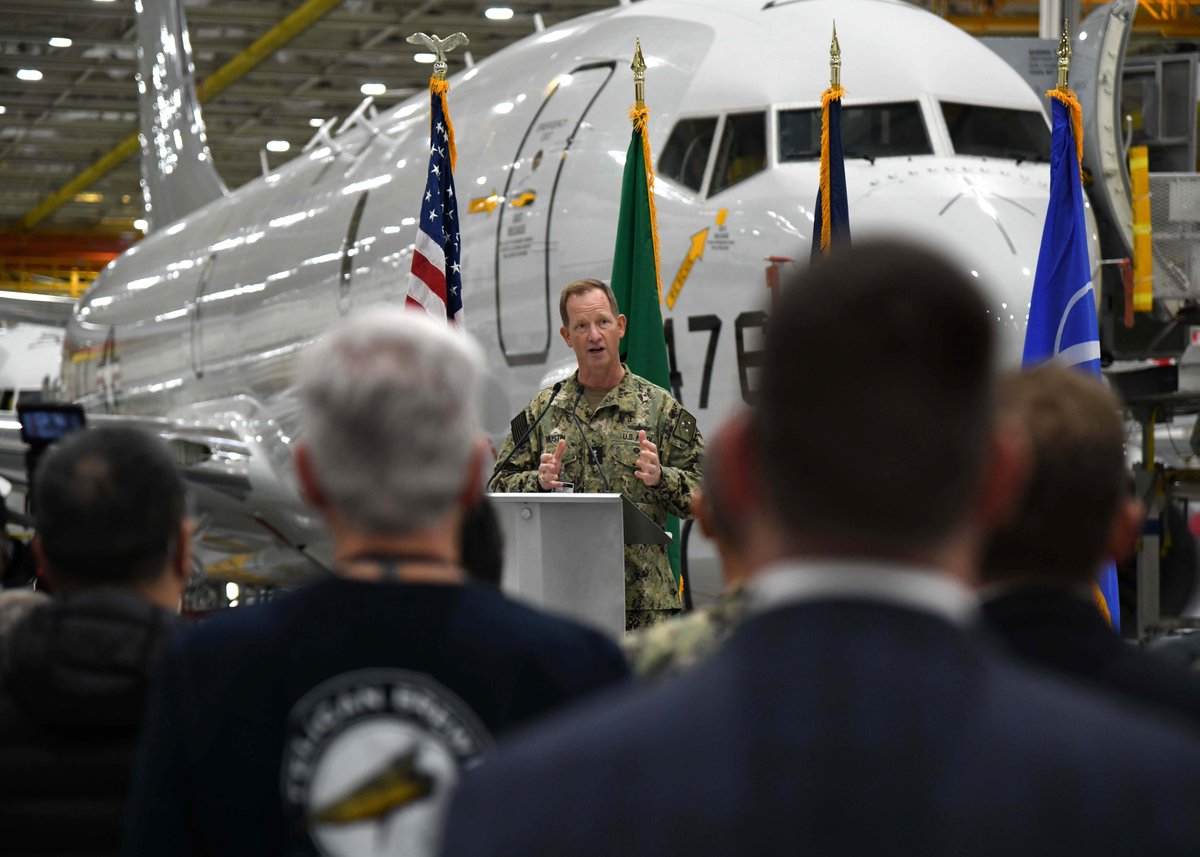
[685, 156]
[743, 150]
[868, 131]
[997, 132]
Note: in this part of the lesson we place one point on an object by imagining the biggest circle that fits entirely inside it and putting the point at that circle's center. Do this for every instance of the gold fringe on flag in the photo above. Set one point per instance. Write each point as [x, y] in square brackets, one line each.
[639, 116]
[834, 92]
[440, 88]
[1067, 98]
[1101, 604]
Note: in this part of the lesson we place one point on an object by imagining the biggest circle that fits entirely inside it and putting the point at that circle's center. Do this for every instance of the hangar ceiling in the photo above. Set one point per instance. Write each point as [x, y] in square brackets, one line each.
[84, 105]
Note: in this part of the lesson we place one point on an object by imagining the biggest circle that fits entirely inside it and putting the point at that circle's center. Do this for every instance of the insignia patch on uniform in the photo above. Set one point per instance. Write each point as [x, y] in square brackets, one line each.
[629, 436]
[685, 430]
[519, 425]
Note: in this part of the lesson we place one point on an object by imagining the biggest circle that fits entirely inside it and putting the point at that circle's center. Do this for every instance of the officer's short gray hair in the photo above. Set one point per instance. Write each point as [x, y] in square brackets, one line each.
[390, 417]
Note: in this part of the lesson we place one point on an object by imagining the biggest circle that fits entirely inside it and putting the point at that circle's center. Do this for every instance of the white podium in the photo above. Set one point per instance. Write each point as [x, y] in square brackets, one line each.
[565, 553]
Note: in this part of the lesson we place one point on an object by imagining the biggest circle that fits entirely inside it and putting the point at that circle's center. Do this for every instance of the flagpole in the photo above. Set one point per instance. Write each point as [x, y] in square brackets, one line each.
[835, 60]
[1064, 58]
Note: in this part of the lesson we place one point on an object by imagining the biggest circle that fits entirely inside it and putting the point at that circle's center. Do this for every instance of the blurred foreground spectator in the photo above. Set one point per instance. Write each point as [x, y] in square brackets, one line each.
[852, 712]
[336, 719]
[1040, 570]
[733, 516]
[113, 538]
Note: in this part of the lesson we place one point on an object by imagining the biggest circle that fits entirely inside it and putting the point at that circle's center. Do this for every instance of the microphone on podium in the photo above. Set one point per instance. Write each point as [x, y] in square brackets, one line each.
[524, 436]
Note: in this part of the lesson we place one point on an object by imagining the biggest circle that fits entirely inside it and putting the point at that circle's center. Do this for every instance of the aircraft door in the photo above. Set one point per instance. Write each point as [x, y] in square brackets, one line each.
[524, 318]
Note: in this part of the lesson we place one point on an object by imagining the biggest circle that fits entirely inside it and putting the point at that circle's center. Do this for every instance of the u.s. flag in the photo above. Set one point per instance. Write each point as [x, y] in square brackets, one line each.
[1062, 310]
[435, 282]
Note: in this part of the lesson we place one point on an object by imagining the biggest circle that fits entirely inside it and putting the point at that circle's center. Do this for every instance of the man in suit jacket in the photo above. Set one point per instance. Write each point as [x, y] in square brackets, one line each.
[1040, 570]
[852, 713]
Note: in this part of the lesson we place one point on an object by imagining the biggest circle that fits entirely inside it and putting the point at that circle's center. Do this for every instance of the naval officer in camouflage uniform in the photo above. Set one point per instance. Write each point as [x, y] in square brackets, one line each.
[647, 445]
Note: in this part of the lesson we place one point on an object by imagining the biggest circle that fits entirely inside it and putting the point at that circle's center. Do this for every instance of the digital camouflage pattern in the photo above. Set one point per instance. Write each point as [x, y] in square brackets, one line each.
[666, 650]
[612, 430]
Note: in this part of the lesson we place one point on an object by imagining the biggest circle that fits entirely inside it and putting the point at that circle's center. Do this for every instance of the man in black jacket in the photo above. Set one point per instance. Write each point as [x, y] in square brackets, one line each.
[113, 537]
[1040, 570]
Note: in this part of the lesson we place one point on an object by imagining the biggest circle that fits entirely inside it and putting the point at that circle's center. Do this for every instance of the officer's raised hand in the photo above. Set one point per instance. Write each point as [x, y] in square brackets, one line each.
[648, 468]
[550, 466]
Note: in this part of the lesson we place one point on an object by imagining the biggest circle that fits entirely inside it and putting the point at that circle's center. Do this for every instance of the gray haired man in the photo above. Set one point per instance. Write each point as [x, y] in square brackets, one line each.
[336, 720]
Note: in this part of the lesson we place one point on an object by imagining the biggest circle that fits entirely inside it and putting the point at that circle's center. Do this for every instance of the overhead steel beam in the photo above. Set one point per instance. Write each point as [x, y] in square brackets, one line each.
[275, 38]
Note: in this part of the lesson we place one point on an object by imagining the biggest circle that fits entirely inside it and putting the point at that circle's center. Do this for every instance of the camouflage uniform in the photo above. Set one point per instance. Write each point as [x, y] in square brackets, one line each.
[671, 648]
[612, 430]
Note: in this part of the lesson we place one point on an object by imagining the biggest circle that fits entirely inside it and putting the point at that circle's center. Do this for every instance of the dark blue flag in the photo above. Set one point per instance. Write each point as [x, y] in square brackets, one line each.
[1062, 310]
[832, 182]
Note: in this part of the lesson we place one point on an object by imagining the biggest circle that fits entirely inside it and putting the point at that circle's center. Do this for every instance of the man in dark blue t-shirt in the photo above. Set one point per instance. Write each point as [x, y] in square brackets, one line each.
[336, 720]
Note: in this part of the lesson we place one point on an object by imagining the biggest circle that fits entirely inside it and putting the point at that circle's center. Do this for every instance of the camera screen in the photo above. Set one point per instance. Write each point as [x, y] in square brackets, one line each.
[47, 423]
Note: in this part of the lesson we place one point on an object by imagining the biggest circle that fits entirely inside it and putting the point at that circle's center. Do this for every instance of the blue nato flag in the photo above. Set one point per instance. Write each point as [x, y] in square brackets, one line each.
[1062, 310]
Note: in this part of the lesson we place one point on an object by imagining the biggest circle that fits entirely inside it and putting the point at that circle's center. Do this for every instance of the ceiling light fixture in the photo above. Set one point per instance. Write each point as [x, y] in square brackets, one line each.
[140, 225]
[498, 13]
[425, 58]
[89, 196]
[278, 145]
[30, 74]
[373, 88]
[315, 122]
[3, 109]
[60, 42]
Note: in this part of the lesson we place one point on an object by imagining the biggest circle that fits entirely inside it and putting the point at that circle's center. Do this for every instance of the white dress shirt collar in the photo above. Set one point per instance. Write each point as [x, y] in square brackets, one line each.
[910, 586]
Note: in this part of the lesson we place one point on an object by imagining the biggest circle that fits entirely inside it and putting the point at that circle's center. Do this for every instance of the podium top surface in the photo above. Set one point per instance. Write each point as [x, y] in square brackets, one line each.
[552, 497]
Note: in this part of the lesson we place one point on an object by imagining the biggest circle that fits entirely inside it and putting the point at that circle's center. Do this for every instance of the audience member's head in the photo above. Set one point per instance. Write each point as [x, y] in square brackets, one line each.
[728, 505]
[391, 438]
[875, 412]
[110, 510]
[483, 543]
[1076, 509]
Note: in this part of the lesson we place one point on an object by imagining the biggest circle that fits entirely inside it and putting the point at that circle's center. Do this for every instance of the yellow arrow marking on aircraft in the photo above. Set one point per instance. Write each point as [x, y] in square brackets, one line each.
[523, 199]
[484, 203]
[696, 251]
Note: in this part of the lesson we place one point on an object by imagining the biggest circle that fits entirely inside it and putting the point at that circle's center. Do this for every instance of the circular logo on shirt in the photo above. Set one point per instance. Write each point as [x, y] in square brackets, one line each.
[369, 760]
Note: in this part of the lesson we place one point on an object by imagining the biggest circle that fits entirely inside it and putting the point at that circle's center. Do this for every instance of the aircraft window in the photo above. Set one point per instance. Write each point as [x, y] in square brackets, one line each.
[685, 156]
[997, 132]
[868, 131]
[743, 150]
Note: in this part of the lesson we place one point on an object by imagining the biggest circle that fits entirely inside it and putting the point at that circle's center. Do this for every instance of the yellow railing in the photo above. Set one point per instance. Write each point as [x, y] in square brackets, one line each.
[49, 276]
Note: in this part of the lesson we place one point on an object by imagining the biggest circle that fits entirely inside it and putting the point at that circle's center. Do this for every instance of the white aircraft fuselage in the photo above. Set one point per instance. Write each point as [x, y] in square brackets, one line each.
[202, 321]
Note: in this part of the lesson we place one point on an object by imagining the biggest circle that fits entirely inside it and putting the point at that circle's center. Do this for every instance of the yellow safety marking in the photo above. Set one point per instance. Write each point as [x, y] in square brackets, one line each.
[523, 199]
[696, 251]
[484, 203]
[1143, 248]
[721, 216]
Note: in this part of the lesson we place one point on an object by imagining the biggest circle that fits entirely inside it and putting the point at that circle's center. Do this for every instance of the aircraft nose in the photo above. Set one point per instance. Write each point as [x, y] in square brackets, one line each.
[986, 218]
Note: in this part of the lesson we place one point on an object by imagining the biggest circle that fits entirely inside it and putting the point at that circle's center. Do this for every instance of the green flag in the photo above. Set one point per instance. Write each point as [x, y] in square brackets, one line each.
[635, 279]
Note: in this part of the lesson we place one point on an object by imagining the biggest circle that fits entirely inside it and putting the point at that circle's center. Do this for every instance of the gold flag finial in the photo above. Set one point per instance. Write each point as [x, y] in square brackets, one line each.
[1064, 58]
[835, 60]
[639, 74]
